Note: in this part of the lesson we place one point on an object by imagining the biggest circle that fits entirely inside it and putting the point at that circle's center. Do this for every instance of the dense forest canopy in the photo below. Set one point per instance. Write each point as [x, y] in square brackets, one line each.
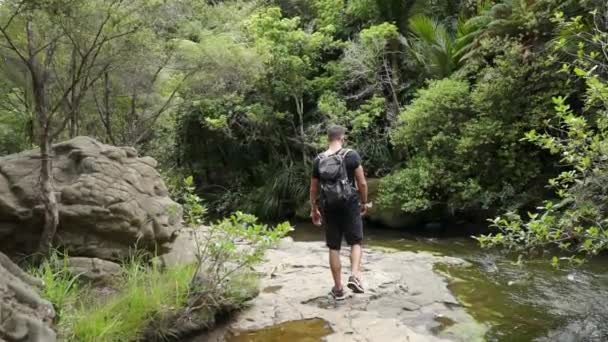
[459, 106]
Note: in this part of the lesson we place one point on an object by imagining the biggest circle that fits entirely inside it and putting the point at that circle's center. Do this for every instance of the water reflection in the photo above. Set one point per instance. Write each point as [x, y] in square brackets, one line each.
[305, 330]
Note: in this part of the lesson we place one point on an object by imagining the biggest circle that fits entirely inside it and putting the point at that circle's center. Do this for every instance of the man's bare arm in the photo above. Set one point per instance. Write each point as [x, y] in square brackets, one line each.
[361, 184]
[314, 192]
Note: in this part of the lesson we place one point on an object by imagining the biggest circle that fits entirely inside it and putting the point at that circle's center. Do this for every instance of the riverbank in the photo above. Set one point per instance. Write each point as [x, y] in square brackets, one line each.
[406, 300]
[527, 301]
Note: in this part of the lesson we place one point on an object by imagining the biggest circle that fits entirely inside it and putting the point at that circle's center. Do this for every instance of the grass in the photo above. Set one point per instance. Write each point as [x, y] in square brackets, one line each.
[147, 292]
[61, 287]
[147, 303]
[144, 292]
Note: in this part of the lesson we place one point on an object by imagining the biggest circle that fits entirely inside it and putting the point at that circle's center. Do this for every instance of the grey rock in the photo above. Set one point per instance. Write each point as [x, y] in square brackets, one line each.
[110, 201]
[184, 249]
[24, 316]
[97, 271]
[409, 306]
[378, 315]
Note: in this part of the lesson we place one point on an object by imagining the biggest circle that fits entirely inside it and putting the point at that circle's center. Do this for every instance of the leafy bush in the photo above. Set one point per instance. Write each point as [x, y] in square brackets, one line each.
[430, 124]
[194, 210]
[465, 138]
[235, 243]
[16, 124]
[575, 222]
[411, 189]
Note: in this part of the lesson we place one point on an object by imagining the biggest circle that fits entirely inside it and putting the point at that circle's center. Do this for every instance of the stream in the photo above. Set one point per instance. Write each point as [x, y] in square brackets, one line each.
[529, 301]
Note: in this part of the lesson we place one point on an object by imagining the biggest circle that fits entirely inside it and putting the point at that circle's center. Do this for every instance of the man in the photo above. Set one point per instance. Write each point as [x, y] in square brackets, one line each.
[338, 198]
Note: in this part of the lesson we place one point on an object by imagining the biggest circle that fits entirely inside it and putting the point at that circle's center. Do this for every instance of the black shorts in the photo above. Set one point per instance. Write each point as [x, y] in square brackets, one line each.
[341, 222]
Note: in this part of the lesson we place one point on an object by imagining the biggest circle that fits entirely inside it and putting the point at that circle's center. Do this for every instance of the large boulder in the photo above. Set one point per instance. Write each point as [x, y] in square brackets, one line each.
[24, 316]
[110, 201]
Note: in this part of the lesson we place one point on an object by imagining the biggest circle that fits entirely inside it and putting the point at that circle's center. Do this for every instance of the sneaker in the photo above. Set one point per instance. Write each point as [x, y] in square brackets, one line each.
[338, 294]
[355, 284]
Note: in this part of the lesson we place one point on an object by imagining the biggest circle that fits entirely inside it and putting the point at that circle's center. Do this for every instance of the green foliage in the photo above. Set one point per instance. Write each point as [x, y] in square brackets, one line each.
[411, 189]
[236, 243]
[460, 131]
[147, 296]
[363, 10]
[437, 94]
[434, 117]
[428, 128]
[194, 210]
[289, 51]
[15, 132]
[330, 14]
[285, 190]
[575, 221]
[433, 46]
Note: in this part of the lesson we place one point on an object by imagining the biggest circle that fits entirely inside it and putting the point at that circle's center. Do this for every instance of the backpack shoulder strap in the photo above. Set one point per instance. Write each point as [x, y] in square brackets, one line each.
[343, 152]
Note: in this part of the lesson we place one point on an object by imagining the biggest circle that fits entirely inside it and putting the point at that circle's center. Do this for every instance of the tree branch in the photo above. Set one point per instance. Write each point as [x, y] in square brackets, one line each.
[164, 107]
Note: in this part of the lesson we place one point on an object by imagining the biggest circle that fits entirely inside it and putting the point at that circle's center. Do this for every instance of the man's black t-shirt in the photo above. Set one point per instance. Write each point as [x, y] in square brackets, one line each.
[352, 161]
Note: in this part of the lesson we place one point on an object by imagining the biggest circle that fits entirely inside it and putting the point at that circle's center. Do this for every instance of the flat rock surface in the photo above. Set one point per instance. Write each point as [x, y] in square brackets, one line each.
[405, 299]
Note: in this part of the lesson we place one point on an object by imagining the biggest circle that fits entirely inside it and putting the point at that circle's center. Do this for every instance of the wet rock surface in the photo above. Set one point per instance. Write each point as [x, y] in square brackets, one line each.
[405, 299]
[110, 201]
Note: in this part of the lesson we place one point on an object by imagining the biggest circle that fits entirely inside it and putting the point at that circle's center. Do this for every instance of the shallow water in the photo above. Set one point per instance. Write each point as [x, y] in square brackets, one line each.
[529, 301]
[305, 330]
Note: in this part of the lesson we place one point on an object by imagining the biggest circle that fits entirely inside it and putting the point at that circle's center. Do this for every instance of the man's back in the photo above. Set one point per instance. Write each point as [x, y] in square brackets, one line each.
[352, 161]
[338, 177]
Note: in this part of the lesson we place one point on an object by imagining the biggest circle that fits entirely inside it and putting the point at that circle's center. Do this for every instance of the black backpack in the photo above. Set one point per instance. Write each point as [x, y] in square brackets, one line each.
[336, 189]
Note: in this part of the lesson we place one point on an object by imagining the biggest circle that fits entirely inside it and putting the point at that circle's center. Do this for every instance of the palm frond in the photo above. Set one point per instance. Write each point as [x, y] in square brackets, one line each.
[432, 45]
[424, 28]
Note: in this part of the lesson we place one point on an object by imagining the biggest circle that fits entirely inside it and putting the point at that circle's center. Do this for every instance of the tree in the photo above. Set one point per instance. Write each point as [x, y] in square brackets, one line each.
[291, 56]
[39, 36]
[368, 69]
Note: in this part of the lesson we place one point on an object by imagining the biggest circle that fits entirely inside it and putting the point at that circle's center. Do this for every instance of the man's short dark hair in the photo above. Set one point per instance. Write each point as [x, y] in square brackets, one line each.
[335, 132]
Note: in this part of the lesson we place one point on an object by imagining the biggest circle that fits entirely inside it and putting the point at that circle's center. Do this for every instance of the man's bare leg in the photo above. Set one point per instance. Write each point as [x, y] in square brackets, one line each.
[355, 260]
[336, 267]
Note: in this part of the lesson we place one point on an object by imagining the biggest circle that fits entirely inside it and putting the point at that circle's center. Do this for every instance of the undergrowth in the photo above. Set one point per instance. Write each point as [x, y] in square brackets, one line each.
[141, 293]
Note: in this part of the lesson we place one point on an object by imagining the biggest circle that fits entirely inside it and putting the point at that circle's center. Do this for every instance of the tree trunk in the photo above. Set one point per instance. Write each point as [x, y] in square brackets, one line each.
[390, 84]
[106, 107]
[72, 104]
[300, 110]
[47, 194]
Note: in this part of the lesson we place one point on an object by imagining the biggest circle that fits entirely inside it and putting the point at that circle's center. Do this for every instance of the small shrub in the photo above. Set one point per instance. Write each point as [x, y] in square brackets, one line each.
[194, 209]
